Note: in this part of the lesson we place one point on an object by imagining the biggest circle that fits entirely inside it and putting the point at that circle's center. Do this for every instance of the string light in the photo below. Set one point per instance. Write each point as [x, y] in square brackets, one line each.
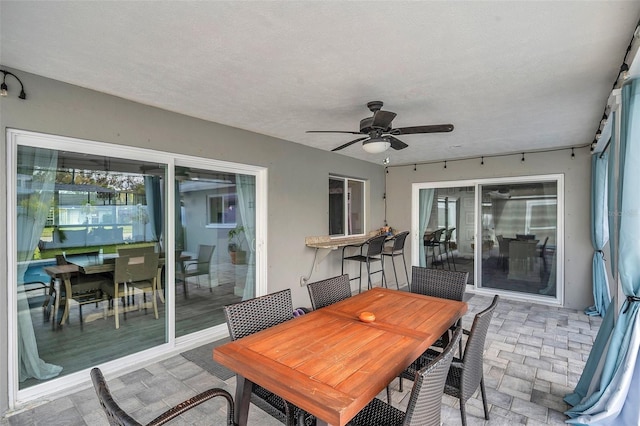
[592, 146]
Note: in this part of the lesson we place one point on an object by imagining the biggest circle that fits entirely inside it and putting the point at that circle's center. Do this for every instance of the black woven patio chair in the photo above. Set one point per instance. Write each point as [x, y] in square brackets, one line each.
[425, 401]
[329, 291]
[437, 283]
[249, 317]
[465, 375]
[118, 417]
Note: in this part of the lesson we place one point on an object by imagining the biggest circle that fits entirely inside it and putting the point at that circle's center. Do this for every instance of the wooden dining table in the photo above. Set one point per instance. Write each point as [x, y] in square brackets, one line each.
[331, 364]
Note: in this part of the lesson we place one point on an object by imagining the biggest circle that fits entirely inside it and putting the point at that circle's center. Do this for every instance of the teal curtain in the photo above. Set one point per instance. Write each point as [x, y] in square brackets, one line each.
[425, 205]
[614, 394]
[38, 165]
[153, 194]
[599, 234]
[612, 197]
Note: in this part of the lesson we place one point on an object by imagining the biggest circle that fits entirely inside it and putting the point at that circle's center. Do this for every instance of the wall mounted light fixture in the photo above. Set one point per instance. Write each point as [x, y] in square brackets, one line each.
[4, 88]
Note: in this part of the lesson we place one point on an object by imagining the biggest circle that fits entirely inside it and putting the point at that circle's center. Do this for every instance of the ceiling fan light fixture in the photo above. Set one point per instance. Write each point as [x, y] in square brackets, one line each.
[376, 145]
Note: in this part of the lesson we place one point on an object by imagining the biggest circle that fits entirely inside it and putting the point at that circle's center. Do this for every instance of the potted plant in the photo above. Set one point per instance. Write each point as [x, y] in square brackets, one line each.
[236, 243]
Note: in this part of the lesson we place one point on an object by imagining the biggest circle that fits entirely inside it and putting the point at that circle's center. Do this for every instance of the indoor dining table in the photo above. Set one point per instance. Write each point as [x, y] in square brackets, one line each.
[331, 364]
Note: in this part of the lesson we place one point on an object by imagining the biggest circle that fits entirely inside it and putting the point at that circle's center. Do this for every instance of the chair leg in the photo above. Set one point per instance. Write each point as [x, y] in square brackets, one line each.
[389, 394]
[484, 399]
[394, 271]
[406, 271]
[400, 386]
[369, 275]
[80, 308]
[463, 413]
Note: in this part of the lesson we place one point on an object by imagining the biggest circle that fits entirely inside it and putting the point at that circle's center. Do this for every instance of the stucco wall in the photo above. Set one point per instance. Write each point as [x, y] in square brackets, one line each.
[577, 174]
[297, 175]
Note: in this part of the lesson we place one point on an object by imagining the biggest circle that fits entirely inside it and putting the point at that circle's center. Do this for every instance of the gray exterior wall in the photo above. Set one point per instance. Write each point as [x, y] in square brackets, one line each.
[297, 175]
[577, 175]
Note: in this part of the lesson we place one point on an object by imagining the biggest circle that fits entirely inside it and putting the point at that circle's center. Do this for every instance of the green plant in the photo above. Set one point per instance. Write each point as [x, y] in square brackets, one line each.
[236, 238]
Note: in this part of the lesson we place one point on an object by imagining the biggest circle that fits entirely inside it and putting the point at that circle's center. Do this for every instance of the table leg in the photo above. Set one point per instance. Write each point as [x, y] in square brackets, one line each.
[56, 301]
[67, 300]
[243, 398]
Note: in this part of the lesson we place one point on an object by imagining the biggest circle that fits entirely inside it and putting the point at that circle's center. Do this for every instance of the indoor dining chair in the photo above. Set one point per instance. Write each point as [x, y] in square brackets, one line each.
[85, 289]
[425, 401]
[117, 416]
[254, 315]
[329, 291]
[197, 267]
[133, 275]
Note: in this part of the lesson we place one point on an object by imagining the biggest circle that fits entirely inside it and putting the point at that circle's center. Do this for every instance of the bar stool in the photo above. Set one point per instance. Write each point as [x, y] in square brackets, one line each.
[432, 243]
[397, 249]
[448, 233]
[373, 254]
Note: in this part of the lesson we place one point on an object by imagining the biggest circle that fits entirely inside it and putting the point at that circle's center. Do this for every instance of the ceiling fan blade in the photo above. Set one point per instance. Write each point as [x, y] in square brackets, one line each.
[435, 128]
[396, 143]
[382, 119]
[349, 144]
[333, 131]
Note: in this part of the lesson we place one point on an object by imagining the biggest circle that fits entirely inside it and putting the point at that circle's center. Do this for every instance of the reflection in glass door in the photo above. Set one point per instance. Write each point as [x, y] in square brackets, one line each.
[520, 231]
[215, 245]
[447, 226]
[80, 211]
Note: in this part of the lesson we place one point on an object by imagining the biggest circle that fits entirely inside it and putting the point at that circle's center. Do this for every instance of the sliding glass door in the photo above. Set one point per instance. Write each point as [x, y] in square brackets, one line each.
[507, 233]
[520, 224]
[96, 233]
[215, 244]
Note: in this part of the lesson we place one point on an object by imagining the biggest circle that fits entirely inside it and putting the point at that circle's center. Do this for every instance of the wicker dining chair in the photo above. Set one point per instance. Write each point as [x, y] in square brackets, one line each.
[425, 401]
[465, 375]
[116, 416]
[329, 291]
[437, 283]
[254, 315]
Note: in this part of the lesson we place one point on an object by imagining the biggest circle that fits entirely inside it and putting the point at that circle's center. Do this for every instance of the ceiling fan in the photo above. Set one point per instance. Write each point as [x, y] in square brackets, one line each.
[379, 135]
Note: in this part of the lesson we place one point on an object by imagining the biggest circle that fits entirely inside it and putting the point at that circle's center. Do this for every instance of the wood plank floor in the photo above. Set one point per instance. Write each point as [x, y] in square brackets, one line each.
[75, 348]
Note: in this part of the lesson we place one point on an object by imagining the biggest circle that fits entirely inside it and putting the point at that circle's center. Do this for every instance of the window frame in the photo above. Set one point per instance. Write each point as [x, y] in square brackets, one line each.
[477, 184]
[346, 211]
[225, 203]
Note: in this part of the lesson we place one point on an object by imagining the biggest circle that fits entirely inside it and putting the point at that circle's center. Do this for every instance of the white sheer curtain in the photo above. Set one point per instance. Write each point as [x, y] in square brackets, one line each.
[426, 204]
[37, 167]
[246, 188]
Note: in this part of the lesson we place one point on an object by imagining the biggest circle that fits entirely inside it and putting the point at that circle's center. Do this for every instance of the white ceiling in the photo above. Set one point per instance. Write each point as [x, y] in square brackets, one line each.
[511, 76]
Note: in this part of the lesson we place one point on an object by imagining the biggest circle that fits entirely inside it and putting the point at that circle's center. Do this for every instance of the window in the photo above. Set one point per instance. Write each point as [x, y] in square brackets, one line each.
[346, 206]
[221, 210]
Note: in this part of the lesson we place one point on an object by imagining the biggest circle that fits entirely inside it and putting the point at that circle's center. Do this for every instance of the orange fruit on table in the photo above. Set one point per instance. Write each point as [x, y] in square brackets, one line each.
[367, 316]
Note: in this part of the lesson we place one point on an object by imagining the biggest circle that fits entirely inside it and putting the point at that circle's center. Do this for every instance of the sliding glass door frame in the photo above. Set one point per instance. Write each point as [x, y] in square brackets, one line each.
[173, 345]
[478, 184]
